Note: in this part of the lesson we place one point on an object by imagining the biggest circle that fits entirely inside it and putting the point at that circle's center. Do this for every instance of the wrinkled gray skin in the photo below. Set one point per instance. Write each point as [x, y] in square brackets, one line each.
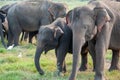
[29, 16]
[84, 21]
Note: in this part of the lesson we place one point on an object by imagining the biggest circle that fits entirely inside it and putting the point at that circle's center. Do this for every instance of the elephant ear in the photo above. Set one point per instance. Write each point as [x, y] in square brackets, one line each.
[58, 32]
[101, 17]
[69, 17]
[53, 10]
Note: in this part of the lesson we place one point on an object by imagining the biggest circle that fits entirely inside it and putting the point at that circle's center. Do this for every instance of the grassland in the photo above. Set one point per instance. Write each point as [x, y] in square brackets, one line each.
[13, 67]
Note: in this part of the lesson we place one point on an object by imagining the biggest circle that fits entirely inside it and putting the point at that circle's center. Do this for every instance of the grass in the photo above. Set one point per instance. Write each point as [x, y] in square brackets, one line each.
[13, 67]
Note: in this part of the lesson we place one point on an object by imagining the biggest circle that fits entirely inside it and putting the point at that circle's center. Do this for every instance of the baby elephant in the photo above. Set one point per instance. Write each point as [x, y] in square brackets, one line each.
[56, 36]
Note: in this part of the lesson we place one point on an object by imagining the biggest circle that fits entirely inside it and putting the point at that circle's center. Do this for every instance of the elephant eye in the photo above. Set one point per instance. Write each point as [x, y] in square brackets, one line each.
[85, 27]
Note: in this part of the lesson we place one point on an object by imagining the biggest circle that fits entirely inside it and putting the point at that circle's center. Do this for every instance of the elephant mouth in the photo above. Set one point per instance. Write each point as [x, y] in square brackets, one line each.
[87, 38]
[90, 36]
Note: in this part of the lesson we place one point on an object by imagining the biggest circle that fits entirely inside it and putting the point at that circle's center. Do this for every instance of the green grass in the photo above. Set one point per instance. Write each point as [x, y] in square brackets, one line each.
[13, 67]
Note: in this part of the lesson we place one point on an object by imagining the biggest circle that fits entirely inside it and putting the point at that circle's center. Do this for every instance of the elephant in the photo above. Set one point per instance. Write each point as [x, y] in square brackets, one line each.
[94, 21]
[2, 20]
[56, 35]
[91, 45]
[21, 18]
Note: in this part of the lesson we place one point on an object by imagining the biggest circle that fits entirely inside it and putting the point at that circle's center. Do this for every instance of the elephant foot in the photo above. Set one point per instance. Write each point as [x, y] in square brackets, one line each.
[70, 78]
[41, 72]
[114, 68]
[83, 68]
[99, 78]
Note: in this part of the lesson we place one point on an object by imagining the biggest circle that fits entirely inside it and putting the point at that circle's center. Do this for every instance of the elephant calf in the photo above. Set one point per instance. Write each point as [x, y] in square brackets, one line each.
[56, 36]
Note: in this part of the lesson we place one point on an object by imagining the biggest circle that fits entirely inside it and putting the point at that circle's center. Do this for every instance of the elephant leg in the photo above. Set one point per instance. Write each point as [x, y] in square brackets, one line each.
[25, 36]
[84, 58]
[64, 67]
[100, 59]
[61, 53]
[16, 41]
[14, 30]
[10, 38]
[102, 43]
[16, 36]
[31, 35]
[91, 48]
[115, 60]
[23, 33]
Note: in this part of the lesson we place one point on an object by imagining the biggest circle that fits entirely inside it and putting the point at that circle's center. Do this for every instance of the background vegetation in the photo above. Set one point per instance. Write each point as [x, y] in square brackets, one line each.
[18, 63]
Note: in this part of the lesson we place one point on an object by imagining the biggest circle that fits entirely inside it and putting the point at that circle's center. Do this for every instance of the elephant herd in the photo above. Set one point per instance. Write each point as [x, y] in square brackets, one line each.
[93, 28]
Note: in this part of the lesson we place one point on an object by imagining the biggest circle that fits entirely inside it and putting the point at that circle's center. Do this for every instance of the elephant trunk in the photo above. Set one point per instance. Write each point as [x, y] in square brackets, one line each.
[36, 60]
[1, 34]
[77, 46]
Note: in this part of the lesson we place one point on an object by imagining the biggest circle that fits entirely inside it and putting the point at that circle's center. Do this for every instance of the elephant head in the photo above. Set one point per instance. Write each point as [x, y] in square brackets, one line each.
[86, 23]
[57, 10]
[47, 39]
[88, 20]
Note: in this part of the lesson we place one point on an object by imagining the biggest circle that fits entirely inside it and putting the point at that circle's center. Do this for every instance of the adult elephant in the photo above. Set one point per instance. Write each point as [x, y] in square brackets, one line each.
[90, 47]
[97, 14]
[30, 15]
